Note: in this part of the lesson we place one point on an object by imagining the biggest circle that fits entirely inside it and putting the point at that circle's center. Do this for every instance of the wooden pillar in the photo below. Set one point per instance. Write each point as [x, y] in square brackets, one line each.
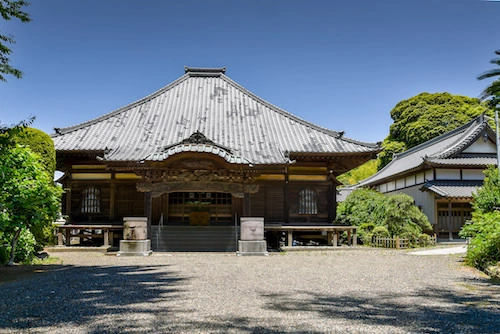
[148, 210]
[286, 207]
[68, 201]
[450, 217]
[332, 199]
[246, 205]
[290, 238]
[106, 237]
[335, 239]
[112, 192]
[355, 237]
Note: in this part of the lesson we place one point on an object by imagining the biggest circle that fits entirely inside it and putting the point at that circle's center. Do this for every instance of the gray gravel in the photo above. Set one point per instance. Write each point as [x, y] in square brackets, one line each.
[356, 290]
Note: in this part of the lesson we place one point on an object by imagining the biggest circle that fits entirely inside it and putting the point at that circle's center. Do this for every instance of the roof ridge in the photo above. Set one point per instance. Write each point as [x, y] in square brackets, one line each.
[432, 141]
[460, 145]
[61, 131]
[337, 134]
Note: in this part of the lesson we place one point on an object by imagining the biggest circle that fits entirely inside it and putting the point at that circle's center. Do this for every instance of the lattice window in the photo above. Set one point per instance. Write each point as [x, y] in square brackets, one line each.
[308, 202]
[91, 200]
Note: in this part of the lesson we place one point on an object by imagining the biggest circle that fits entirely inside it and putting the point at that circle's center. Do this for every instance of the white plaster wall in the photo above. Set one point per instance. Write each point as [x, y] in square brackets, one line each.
[447, 174]
[473, 174]
[480, 146]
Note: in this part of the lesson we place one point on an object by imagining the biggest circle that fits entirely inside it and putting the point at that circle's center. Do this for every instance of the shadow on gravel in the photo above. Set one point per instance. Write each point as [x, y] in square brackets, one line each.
[131, 299]
[79, 295]
[429, 311]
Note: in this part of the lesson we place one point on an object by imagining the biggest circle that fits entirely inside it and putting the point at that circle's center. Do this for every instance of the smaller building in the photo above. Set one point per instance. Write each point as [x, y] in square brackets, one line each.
[442, 174]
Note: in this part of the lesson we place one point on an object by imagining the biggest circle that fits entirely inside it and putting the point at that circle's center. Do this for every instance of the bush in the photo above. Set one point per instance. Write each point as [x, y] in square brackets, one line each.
[424, 240]
[365, 233]
[484, 247]
[380, 232]
[362, 206]
[404, 219]
[25, 248]
[397, 214]
[44, 235]
[4, 249]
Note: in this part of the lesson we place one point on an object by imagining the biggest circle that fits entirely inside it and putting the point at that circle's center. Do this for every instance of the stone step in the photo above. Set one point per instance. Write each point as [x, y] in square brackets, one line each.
[194, 239]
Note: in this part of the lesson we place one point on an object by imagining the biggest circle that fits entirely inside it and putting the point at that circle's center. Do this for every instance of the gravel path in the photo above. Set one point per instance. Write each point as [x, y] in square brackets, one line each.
[342, 291]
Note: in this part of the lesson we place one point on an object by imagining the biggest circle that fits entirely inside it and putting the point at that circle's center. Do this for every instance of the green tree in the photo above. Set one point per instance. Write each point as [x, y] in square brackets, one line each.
[375, 213]
[10, 9]
[41, 144]
[359, 173]
[426, 116]
[484, 248]
[29, 199]
[403, 218]
[390, 149]
[492, 92]
[362, 206]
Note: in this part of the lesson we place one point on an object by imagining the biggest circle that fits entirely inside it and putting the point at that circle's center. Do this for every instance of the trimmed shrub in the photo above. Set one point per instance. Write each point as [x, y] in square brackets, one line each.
[365, 233]
[25, 248]
[380, 232]
[384, 216]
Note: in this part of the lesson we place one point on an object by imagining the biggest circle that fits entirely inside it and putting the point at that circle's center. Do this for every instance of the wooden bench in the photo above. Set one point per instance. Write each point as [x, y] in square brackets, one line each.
[331, 230]
[69, 231]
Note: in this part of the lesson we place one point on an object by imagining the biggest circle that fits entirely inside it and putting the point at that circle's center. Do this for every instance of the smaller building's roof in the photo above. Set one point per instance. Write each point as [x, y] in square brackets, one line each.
[453, 189]
[445, 151]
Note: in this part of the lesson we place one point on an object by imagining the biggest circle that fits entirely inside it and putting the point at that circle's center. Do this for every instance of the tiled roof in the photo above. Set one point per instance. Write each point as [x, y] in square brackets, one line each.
[208, 101]
[444, 150]
[453, 189]
[467, 161]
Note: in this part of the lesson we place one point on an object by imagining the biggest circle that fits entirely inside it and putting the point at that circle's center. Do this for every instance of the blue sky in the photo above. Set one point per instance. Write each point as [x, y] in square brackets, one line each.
[340, 64]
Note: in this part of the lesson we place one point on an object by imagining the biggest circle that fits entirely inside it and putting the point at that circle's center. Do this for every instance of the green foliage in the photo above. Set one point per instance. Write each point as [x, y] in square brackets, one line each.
[491, 94]
[362, 206]
[484, 247]
[4, 248]
[403, 218]
[25, 248]
[381, 232]
[29, 198]
[8, 133]
[487, 198]
[380, 215]
[365, 232]
[41, 144]
[360, 173]
[426, 116]
[390, 148]
[10, 9]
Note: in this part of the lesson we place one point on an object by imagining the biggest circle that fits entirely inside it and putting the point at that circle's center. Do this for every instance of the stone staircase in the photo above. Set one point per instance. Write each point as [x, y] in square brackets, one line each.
[193, 238]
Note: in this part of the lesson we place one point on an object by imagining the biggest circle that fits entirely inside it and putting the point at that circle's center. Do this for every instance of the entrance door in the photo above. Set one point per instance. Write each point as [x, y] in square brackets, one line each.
[199, 208]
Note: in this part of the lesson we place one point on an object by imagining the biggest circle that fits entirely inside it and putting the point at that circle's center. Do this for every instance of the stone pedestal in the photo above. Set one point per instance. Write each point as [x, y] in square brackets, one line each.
[135, 228]
[135, 241]
[252, 247]
[252, 237]
[135, 248]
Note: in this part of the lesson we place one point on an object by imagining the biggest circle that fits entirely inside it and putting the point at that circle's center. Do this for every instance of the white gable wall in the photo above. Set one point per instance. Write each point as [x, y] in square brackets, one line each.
[481, 146]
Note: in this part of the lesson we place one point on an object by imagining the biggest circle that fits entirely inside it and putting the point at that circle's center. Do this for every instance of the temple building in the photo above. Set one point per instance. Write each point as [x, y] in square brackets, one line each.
[198, 154]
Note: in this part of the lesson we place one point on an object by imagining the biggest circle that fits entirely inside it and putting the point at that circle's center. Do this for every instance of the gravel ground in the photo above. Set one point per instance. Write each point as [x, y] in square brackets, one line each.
[355, 290]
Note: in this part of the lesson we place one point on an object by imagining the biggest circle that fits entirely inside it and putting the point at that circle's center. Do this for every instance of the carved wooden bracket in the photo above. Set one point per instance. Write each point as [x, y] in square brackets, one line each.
[236, 189]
